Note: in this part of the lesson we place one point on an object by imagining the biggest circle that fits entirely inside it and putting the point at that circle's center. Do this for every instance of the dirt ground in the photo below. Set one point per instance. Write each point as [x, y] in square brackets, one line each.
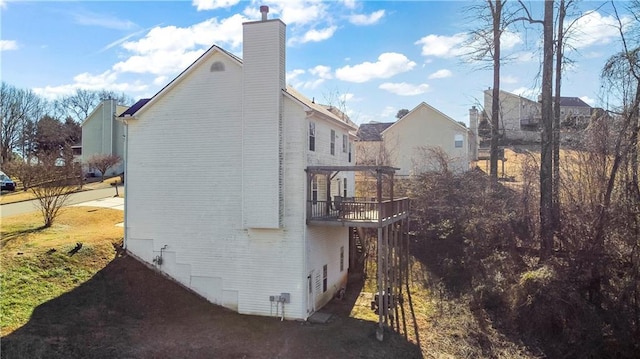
[129, 311]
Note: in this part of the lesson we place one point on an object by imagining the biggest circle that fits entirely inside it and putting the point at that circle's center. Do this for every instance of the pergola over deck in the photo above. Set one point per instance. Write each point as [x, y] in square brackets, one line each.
[371, 211]
[390, 216]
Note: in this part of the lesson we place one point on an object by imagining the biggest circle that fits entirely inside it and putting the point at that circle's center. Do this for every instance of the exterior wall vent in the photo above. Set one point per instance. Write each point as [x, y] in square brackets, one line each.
[217, 67]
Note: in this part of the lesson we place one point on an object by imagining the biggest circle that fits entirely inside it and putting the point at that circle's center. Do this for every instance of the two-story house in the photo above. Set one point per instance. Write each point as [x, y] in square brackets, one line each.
[417, 142]
[521, 118]
[235, 183]
[103, 134]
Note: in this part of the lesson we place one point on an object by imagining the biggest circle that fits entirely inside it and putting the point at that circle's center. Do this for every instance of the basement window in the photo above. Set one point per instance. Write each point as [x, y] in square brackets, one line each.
[324, 278]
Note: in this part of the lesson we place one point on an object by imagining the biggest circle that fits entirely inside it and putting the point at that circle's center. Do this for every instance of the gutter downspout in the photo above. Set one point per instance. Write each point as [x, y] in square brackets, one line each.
[126, 176]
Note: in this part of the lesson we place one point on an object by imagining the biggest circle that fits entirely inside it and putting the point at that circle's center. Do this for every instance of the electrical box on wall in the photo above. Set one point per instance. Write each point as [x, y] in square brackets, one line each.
[285, 297]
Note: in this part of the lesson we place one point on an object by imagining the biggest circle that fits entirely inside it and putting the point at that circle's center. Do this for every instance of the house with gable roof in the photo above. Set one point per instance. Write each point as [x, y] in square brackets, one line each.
[521, 118]
[232, 178]
[103, 134]
[413, 142]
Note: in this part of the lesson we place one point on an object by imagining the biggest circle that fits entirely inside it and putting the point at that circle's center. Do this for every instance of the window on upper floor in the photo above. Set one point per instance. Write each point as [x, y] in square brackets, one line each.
[333, 142]
[350, 151]
[312, 136]
[458, 141]
[345, 143]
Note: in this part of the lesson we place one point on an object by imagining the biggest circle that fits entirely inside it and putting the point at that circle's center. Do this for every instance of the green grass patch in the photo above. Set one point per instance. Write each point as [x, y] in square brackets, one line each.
[36, 264]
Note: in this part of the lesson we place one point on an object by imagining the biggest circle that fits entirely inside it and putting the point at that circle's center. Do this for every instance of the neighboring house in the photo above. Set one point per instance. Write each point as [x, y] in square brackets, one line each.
[228, 173]
[413, 142]
[521, 119]
[103, 134]
[574, 112]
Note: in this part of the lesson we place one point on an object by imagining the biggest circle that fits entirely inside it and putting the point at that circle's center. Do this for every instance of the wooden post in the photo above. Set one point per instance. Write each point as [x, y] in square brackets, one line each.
[381, 302]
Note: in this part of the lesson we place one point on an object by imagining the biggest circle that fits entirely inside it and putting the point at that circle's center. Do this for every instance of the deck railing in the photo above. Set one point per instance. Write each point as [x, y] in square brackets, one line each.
[357, 209]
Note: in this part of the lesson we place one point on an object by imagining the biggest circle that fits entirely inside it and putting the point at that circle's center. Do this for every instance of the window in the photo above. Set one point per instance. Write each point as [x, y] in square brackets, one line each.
[349, 152]
[341, 258]
[333, 142]
[312, 136]
[345, 143]
[324, 278]
[314, 190]
[344, 188]
[459, 141]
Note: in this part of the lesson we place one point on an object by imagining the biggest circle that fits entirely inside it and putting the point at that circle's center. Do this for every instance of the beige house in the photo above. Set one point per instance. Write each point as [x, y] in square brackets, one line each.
[520, 117]
[424, 139]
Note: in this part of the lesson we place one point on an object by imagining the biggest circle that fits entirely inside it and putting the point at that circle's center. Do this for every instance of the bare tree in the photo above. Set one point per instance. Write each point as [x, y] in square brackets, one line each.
[17, 106]
[546, 145]
[55, 185]
[82, 102]
[103, 163]
[495, 17]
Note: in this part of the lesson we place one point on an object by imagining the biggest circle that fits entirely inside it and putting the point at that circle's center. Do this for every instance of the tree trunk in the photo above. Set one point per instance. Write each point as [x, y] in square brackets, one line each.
[546, 160]
[556, 119]
[496, 13]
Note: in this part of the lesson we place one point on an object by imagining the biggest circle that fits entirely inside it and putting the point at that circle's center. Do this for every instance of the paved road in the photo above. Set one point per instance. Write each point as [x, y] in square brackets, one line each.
[12, 209]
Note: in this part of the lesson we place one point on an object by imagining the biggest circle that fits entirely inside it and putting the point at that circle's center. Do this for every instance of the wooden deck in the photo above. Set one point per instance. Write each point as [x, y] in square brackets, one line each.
[357, 212]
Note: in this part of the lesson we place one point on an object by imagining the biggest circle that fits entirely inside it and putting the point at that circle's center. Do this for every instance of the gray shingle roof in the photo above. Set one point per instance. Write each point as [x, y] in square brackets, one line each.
[572, 102]
[372, 131]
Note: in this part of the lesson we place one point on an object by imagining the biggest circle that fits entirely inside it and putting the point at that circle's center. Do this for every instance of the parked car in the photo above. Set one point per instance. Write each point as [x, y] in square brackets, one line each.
[6, 183]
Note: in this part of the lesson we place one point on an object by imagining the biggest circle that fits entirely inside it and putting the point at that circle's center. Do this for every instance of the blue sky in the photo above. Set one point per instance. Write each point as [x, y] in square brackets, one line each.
[379, 56]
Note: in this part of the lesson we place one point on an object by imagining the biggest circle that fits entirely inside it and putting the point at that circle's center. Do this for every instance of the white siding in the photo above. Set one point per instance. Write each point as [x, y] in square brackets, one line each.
[103, 134]
[263, 78]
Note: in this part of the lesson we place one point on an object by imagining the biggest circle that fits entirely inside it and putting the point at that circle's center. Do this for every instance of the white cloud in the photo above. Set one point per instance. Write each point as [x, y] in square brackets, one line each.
[292, 75]
[404, 89]
[169, 49]
[588, 100]
[594, 29]
[106, 80]
[363, 19]
[293, 13]
[89, 18]
[349, 4]
[525, 92]
[3, 4]
[323, 72]
[160, 80]
[314, 35]
[460, 44]
[441, 74]
[213, 4]
[509, 40]
[388, 111]
[6, 45]
[442, 46]
[310, 85]
[388, 65]
[508, 79]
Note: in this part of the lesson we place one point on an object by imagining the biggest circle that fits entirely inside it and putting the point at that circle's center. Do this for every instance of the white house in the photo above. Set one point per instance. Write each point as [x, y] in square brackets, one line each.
[221, 180]
[102, 134]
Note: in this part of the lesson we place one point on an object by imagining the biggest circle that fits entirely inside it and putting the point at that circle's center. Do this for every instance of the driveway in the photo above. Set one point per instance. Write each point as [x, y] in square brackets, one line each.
[12, 209]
